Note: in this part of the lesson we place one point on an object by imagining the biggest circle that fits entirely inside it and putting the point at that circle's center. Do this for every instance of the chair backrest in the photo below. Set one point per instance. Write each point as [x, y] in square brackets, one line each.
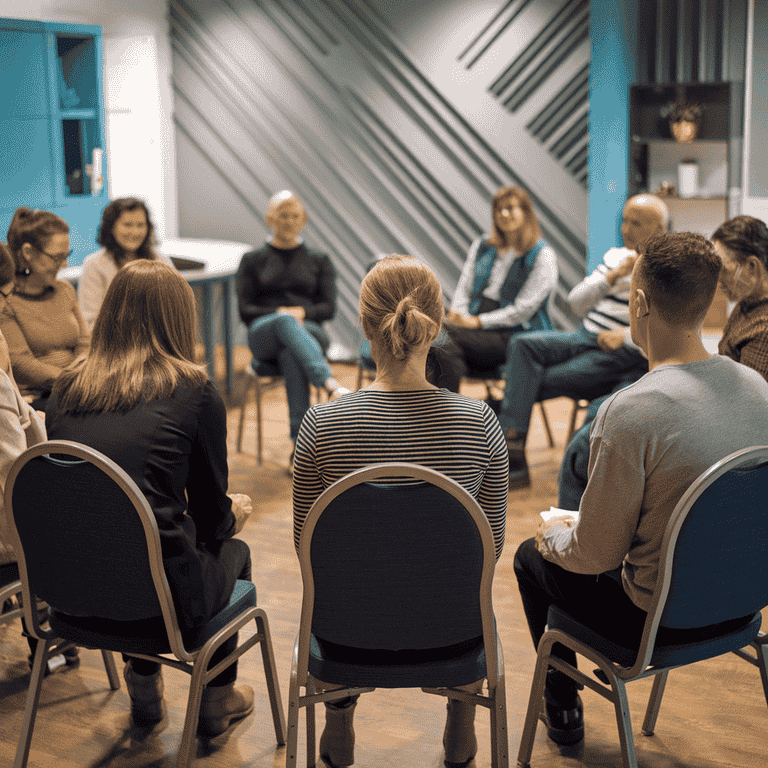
[397, 566]
[87, 539]
[714, 558]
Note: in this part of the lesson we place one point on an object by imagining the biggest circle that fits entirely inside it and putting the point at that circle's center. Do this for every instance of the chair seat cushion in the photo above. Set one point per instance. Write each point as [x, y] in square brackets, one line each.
[461, 664]
[266, 368]
[148, 635]
[713, 641]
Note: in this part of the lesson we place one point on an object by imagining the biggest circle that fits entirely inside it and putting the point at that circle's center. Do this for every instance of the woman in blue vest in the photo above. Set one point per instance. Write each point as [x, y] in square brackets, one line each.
[503, 289]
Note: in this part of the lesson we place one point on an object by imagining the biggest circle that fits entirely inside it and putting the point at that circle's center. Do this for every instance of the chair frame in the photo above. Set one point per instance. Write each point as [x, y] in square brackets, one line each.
[261, 384]
[495, 700]
[193, 662]
[11, 591]
[616, 675]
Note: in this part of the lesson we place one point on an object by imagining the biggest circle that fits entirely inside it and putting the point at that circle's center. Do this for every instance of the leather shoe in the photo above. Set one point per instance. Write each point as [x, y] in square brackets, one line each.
[564, 726]
[518, 466]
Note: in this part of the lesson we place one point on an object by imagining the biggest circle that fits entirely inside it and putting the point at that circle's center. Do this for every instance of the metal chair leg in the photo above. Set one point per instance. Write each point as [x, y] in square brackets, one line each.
[196, 687]
[33, 699]
[270, 672]
[624, 723]
[109, 665]
[761, 647]
[243, 404]
[534, 708]
[654, 702]
[499, 735]
[259, 436]
[547, 428]
[577, 406]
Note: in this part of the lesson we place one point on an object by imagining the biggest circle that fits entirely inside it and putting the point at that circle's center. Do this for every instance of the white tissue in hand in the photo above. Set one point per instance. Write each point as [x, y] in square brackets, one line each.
[555, 512]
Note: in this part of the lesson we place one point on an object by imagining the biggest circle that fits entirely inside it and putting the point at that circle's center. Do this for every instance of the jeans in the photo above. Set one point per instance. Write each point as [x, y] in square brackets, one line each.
[298, 349]
[545, 364]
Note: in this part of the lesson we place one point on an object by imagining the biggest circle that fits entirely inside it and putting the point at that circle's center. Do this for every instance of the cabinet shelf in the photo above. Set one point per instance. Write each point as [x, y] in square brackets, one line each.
[696, 198]
[665, 140]
[77, 114]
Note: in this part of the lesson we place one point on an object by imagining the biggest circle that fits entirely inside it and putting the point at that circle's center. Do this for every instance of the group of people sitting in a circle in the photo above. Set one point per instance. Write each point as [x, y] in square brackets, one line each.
[114, 368]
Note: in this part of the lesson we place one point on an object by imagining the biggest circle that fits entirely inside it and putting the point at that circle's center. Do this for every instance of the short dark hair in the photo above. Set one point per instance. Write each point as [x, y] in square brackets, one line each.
[34, 227]
[679, 272]
[746, 236]
[110, 215]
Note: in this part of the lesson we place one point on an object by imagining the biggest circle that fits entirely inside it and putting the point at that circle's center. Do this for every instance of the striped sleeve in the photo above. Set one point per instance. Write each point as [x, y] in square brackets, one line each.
[307, 483]
[494, 488]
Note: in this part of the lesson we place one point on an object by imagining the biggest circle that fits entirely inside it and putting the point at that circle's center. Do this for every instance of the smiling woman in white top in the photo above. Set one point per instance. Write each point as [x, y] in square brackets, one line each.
[504, 286]
[125, 234]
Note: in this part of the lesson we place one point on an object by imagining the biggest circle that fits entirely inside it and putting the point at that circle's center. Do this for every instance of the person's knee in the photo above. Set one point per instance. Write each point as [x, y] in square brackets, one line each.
[526, 557]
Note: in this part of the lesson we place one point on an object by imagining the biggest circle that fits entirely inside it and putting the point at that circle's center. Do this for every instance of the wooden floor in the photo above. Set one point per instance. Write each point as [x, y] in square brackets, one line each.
[713, 715]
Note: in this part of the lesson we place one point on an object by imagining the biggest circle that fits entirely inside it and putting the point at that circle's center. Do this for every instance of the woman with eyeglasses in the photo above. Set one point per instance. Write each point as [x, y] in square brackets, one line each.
[503, 289]
[40, 317]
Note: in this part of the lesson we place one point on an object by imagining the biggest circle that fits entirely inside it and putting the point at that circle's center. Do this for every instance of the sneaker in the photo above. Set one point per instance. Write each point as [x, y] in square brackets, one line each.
[564, 726]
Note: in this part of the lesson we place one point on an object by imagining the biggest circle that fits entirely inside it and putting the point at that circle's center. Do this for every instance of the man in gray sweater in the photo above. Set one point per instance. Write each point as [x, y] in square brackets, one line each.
[648, 443]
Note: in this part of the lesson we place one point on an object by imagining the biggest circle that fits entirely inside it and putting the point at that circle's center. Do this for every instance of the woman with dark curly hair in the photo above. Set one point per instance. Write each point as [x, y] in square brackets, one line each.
[125, 233]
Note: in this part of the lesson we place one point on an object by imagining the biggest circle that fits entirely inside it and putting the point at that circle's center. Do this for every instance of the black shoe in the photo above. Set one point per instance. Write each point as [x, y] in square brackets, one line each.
[564, 726]
[518, 468]
[494, 403]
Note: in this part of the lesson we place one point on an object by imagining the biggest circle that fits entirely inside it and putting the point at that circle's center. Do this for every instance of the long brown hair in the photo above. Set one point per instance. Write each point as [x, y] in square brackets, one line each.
[525, 237]
[142, 345]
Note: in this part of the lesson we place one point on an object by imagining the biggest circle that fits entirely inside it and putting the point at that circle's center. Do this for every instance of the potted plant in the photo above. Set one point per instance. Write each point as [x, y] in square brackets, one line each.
[684, 119]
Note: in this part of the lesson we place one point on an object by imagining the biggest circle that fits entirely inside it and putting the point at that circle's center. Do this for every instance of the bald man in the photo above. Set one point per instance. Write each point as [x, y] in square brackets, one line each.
[595, 359]
[285, 292]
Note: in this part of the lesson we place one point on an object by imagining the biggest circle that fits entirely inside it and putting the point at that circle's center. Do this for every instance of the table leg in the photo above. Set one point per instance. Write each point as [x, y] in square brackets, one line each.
[226, 312]
[210, 347]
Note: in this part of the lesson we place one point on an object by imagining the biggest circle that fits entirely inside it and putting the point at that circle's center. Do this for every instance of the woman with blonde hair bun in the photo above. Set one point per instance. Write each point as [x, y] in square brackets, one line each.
[402, 417]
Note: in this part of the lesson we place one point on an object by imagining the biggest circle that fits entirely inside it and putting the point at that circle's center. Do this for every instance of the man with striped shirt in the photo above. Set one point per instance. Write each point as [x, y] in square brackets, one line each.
[591, 361]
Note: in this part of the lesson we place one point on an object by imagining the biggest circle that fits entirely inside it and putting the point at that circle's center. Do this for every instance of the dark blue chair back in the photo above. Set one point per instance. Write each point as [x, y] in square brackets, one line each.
[720, 567]
[395, 567]
[392, 567]
[85, 551]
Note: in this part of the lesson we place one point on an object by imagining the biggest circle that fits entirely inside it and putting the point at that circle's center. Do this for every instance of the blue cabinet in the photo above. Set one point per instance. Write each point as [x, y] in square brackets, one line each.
[52, 121]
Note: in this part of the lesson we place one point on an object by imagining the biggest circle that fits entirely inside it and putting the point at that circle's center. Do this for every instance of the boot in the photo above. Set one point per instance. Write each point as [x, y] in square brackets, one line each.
[146, 692]
[459, 740]
[221, 705]
[337, 743]
[518, 466]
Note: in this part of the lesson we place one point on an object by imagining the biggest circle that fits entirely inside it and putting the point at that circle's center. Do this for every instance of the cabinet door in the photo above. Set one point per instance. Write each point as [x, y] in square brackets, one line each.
[26, 176]
[23, 75]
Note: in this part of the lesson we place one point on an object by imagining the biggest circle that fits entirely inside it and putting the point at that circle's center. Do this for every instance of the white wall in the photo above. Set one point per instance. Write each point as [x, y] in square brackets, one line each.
[755, 177]
[138, 100]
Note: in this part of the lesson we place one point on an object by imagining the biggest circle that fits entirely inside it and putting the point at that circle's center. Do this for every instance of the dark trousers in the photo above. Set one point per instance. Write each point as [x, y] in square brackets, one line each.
[599, 601]
[236, 555]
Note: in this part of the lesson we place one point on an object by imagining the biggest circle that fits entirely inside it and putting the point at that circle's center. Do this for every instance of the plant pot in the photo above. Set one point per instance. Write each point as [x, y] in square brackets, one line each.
[684, 130]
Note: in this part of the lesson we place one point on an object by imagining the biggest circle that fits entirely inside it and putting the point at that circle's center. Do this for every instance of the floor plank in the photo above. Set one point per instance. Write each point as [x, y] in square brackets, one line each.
[713, 715]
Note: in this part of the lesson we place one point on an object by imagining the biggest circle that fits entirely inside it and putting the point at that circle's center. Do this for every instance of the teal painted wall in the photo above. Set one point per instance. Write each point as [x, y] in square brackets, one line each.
[613, 29]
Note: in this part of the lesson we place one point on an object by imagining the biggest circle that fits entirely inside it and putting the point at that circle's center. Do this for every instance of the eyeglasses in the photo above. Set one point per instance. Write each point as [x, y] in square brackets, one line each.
[57, 258]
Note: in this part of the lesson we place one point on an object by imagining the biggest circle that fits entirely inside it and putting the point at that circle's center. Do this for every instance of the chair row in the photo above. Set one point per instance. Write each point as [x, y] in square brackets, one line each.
[401, 584]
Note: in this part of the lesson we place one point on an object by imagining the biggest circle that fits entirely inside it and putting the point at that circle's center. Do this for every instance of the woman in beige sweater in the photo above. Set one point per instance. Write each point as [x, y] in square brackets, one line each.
[40, 317]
